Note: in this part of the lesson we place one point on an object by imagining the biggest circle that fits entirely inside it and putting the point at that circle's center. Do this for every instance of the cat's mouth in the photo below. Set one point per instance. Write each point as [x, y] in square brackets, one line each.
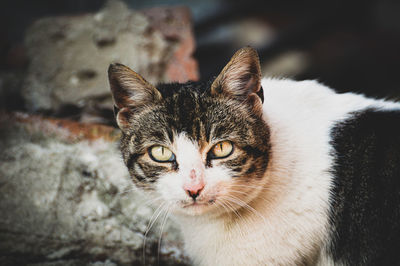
[195, 204]
[199, 206]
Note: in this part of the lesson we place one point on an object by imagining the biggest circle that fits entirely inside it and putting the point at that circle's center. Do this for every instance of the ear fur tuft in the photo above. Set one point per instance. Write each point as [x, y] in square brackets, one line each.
[241, 76]
[129, 91]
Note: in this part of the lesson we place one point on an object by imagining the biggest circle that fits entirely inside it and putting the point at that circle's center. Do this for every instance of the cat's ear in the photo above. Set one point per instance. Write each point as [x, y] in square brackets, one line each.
[241, 78]
[129, 91]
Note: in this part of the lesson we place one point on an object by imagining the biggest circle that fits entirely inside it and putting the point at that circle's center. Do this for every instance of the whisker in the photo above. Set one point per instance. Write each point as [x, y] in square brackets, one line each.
[155, 215]
[246, 193]
[151, 201]
[239, 217]
[221, 205]
[233, 210]
[161, 231]
[226, 207]
[245, 205]
[249, 186]
[124, 192]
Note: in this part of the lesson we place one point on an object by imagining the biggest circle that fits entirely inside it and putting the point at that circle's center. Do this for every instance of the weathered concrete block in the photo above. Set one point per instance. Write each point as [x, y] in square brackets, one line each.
[69, 56]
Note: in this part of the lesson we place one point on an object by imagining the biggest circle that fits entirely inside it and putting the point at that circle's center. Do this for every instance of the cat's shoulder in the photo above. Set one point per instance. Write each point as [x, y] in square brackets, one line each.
[288, 88]
[310, 95]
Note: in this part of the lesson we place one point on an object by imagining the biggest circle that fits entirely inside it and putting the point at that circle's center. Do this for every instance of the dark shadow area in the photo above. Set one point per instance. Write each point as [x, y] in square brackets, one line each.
[352, 45]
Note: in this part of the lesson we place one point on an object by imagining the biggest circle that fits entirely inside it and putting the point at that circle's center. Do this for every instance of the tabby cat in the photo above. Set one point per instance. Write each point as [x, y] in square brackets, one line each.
[265, 171]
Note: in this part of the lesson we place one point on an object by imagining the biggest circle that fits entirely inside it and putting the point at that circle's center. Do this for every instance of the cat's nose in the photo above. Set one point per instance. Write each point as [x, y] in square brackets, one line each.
[194, 193]
[194, 190]
[195, 184]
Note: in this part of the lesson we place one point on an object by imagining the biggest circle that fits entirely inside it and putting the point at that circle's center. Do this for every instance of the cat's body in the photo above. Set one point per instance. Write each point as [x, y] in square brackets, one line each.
[318, 182]
[309, 124]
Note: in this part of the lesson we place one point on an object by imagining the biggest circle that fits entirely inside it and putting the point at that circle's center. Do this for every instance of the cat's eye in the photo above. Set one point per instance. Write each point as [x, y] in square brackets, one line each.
[221, 150]
[161, 154]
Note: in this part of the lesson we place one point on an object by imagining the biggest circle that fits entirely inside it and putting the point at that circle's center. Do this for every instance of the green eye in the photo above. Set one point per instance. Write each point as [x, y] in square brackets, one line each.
[222, 150]
[161, 154]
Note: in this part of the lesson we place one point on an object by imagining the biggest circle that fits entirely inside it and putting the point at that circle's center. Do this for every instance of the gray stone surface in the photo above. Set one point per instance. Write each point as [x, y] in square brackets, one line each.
[69, 56]
[72, 203]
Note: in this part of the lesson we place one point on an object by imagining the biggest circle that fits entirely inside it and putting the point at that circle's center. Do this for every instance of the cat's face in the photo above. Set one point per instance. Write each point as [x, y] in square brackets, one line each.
[200, 148]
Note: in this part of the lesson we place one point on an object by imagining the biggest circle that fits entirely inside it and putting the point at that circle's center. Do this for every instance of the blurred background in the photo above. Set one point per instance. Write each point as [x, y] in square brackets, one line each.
[347, 45]
[65, 195]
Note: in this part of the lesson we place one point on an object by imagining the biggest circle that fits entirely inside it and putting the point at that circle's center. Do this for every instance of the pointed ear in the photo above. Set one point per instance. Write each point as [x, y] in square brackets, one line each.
[241, 78]
[129, 91]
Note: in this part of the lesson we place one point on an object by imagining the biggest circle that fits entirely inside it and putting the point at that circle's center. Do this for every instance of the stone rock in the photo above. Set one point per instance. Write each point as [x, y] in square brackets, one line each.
[69, 55]
[69, 201]
[174, 25]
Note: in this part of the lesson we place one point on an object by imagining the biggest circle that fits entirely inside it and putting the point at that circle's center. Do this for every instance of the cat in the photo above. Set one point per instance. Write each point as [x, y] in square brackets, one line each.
[262, 171]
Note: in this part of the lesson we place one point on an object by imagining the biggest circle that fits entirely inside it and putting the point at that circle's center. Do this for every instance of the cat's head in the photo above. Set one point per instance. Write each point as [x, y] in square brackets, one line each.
[199, 147]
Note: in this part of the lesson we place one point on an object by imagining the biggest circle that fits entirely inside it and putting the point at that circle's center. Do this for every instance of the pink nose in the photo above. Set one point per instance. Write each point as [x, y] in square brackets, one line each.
[195, 185]
[193, 190]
